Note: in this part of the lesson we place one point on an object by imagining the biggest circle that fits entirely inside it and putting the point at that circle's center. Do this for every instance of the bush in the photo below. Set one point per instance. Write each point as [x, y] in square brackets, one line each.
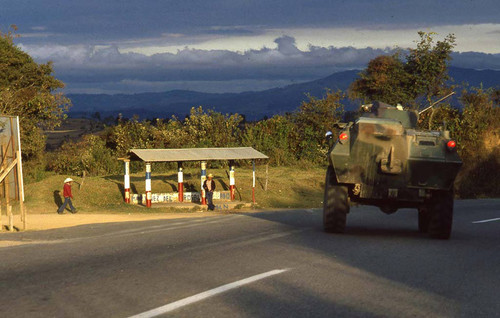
[89, 155]
[477, 134]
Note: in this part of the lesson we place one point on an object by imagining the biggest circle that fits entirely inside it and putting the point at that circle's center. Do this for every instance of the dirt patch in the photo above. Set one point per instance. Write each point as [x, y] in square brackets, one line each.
[37, 222]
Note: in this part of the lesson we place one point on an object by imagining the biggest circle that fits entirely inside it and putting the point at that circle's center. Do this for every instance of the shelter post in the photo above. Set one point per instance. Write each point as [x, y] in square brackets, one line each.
[231, 179]
[253, 181]
[180, 182]
[126, 180]
[148, 184]
[203, 178]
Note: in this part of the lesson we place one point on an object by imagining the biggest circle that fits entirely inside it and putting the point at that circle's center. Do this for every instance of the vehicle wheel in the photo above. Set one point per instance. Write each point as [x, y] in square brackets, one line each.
[423, 220]
[441, 215]
[335, 204]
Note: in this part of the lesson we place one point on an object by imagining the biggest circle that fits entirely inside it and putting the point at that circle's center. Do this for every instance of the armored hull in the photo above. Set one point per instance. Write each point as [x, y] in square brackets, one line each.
[383, 160]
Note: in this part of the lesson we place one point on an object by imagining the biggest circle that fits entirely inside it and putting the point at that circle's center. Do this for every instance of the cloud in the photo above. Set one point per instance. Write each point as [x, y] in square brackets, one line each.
[39, 28]
[191, 64]
[116, 20]
[82, 66]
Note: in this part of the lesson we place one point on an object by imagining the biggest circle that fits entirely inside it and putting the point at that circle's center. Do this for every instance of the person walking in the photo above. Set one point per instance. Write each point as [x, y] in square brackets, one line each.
[209, 187]
[67, 197]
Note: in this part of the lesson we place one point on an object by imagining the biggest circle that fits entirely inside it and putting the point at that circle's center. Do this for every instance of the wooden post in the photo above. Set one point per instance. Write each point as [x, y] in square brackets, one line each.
[84, 174]
[25, 221]
[3, 165]
[10, 217]
[267, 176]
[22, 208]
[14, 155]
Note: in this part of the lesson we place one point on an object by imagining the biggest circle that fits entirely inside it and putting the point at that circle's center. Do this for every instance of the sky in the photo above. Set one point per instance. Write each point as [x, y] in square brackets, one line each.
[131, 46]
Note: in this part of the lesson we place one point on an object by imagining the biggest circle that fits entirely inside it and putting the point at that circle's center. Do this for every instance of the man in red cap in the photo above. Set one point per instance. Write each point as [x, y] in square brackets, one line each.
[67, 197]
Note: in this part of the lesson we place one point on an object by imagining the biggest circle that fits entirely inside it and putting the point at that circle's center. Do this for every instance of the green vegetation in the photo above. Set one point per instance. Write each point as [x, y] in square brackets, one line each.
[421, 74]
[288, 187]
[293, 141]
[28, 90]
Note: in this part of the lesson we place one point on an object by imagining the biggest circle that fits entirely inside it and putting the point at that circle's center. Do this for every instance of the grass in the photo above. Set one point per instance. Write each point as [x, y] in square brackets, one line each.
[288, 187]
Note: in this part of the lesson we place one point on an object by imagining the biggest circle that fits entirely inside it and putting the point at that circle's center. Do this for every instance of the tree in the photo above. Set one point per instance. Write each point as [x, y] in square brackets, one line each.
[312, 120]
[420, 74]
[427, 66]
[29, 90]
[384, 79]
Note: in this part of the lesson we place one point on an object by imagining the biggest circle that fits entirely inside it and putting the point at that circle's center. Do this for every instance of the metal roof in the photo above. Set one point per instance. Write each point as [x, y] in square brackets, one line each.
[195, 154]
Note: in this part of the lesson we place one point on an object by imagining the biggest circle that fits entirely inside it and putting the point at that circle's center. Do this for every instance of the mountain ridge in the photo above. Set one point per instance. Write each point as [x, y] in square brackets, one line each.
[253, 104]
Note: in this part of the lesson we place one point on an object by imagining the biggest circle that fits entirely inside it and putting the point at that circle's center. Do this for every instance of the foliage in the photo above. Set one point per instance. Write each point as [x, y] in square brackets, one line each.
[90, 155]
[212, 129]
[28, 90]
[478, 136]
[427, 65]
[271, 136]
[423, 74]
[199, 129]
[384, 79]
[128, 135]
[312, 120]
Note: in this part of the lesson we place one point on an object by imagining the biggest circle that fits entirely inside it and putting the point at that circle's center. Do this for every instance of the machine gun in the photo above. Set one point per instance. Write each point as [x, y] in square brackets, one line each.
[432, 105]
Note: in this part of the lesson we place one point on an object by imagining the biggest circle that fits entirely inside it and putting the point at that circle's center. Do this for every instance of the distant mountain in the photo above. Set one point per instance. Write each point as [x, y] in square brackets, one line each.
[254, 105]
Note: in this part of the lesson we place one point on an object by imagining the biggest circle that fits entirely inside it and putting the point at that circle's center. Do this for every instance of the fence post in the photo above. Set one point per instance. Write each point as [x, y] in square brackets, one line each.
[126, 180]
[267, 176]
[180, 182]
[148, 184]
[253, 181]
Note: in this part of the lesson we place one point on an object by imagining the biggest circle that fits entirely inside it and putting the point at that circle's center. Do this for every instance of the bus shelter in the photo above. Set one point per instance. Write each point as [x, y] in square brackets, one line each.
[202, 155]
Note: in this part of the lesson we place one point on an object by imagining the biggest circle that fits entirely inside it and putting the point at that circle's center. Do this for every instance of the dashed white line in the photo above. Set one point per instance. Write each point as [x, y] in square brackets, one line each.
[204, 295]
[485, 221]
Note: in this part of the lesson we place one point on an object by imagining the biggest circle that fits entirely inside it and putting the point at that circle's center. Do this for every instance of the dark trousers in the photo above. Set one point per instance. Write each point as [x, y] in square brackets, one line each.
[210, 203]
[63, 206]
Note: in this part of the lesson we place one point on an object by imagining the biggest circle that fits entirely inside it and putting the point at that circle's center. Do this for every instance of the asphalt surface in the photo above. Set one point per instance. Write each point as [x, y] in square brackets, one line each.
[381, 267]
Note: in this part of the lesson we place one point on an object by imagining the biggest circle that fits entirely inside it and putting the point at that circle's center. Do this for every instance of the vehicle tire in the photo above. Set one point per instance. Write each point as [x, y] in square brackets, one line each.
[424, 219]
[335, 204]
[441, 215]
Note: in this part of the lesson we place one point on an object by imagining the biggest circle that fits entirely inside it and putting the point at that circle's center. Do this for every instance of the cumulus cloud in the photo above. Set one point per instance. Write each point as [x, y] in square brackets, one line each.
[107, 64]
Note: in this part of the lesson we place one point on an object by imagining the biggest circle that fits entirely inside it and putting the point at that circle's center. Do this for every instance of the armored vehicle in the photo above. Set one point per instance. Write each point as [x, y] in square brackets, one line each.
[383, 160]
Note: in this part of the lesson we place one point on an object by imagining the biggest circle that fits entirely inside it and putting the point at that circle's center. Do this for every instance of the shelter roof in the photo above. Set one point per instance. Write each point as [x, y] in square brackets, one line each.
[195, 154]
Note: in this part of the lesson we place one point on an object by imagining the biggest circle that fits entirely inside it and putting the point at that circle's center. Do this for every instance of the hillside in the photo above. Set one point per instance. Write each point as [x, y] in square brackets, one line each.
[254, 105]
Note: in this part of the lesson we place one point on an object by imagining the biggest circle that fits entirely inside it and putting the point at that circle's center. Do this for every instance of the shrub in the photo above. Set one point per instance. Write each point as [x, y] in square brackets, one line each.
[89, 155]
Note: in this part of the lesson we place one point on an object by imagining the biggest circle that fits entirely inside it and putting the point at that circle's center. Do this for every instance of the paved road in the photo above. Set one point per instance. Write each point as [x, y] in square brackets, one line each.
[382, 267]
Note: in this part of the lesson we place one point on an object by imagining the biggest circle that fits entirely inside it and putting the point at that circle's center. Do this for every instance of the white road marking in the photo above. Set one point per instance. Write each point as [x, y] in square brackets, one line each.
[490, 220]
[209, 293]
